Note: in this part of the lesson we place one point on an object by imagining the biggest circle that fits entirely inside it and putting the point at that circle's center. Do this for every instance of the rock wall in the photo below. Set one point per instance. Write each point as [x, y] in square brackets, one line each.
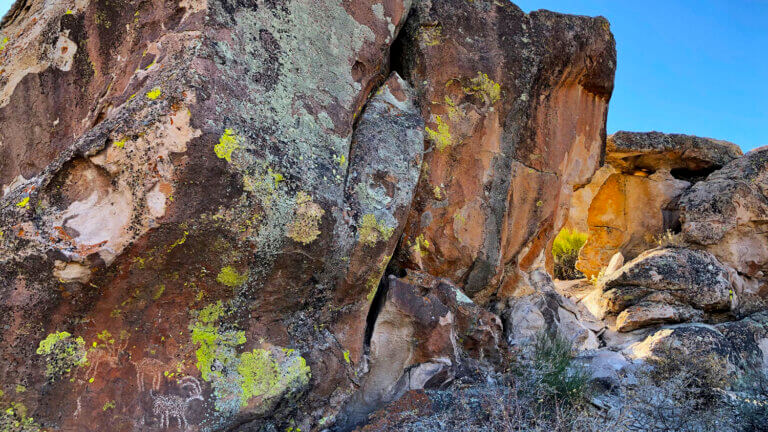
[201, 199]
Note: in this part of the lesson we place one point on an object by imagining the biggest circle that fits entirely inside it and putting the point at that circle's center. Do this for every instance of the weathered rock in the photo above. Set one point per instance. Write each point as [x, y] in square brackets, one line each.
[578, 211]
[727, 215]
[742, 344]
[684, 155]
[666, 286]
[546, 311]
[425, 327]
[632, 201]
[506, 146]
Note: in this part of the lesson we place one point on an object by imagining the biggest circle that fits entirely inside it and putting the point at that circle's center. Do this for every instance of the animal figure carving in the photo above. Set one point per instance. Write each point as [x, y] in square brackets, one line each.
[152, 367]
[108, 353]
[167, 406]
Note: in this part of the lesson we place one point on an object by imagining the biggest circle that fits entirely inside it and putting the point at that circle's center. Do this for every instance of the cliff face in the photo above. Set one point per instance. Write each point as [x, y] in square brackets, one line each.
[201, 199]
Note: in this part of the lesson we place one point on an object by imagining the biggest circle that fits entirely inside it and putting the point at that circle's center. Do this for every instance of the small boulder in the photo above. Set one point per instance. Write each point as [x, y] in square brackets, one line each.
[666, 286]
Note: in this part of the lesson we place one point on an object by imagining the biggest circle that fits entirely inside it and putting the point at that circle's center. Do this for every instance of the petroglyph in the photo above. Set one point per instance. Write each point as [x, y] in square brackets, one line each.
[149, 367]
[168, 406]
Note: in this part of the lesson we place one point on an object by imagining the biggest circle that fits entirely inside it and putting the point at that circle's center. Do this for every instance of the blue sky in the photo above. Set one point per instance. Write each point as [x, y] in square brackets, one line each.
[688, 66]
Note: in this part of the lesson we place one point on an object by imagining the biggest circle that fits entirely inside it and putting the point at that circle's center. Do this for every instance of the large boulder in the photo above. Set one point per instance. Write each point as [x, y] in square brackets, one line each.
[194, 193]
[727, 215]
[635, 200]
[666, 286]
[548, 312]
[515, 120]
[741, 345]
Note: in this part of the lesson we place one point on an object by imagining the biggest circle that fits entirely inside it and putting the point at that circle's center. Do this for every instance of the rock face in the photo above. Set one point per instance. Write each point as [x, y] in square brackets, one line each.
[666, 286]
[727, 215]
[627, 215]
[505, 144]
[200, 198]
[636, 198]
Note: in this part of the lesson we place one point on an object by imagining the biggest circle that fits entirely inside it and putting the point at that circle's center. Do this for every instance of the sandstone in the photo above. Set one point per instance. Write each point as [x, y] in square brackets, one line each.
[627, 216]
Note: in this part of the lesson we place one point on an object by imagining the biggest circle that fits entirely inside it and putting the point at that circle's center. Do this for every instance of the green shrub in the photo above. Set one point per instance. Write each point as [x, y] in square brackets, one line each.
[561, 381]
[565, 251]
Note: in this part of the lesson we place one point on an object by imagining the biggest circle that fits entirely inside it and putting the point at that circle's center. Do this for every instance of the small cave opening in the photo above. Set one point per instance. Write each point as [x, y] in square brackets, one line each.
[693, 175]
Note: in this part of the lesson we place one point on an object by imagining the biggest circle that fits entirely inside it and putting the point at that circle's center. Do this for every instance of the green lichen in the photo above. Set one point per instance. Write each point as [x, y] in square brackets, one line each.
[215, 346]
[228, 143]
[442, 136]
[14, 419]
[236, 378]
[306, 221]
[3, 43]
[260, 374]
[346, 357]
[485, 87]
[24, 203]
[372, 231]
[154, 93]
[108, 405]
[62, 352]
[230, 277]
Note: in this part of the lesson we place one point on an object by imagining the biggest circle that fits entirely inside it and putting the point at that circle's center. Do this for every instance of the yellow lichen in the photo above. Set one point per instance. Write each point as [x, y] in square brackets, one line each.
[230, 277]
[422, 244]
[62, 352]
[431, 35]
[305, 225]
[372, 231]
[24, 203]
[486, 87]
[227, 144]
[154, 93]
[3, 42]
[438, 193]
[442, 137]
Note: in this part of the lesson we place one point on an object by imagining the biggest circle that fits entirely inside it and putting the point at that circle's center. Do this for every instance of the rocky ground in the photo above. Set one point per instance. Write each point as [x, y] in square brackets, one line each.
[285, 215]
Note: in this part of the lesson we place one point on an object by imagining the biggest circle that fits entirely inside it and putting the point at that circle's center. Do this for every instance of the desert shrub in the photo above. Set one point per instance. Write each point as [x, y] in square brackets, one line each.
[565, 251]
[680, 393]
[559, 378]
